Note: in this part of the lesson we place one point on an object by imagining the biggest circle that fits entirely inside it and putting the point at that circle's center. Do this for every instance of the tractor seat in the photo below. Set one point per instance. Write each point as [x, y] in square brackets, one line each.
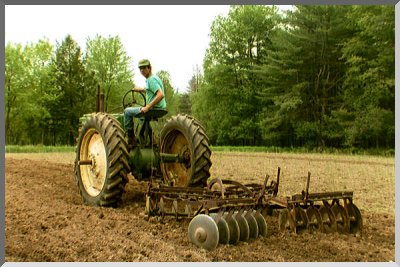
[153, 114]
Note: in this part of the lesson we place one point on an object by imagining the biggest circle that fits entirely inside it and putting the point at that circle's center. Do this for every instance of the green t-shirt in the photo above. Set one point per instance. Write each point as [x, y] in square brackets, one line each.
[153, 84]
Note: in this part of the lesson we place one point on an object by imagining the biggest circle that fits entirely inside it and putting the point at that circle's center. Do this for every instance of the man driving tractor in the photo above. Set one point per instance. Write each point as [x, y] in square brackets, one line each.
[155, 98]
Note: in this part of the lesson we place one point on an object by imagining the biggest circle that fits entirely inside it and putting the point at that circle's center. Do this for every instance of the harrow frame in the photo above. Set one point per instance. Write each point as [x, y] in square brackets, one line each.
[223, 200]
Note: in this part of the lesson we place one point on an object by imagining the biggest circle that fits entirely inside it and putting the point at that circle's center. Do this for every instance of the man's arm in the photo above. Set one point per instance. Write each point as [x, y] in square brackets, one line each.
[139, 90]
[159, 96]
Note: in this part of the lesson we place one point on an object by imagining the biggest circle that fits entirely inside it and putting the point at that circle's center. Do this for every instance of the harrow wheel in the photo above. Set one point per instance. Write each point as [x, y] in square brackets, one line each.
[342, 218]
[234, 230]
[101, 164]
[355, 218]
[203, 232]
[314, 219]
[185, 136]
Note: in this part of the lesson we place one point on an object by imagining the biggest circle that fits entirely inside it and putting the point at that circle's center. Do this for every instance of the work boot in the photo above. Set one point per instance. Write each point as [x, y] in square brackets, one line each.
[131, 139]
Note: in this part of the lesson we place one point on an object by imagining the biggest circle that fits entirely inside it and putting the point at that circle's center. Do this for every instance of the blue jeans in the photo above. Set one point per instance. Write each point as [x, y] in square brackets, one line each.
[129, 114]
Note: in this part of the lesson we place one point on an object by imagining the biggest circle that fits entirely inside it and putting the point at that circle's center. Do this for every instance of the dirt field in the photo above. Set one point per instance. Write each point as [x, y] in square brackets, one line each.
[46, 220]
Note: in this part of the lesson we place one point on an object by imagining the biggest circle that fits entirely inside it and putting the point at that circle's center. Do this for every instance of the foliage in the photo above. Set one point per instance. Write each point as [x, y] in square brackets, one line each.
[369, 82]
[228, 102]
[27, 90]
[106, 58]
[68, 74]
[318, 77]
[185, 106]
[15, 63]
[170, 97]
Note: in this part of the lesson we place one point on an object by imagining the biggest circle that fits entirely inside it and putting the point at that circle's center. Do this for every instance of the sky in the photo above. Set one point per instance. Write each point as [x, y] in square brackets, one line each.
[174, 38]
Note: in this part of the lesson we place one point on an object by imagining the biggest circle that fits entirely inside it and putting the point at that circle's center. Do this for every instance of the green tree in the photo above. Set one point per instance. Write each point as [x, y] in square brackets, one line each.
[369, 81]
[41, 91]
[185, 106]
[239, 43]
[106, 58]
[303, 77]
[27, 84]
[15, 85]
[69, 76]
[170, 96]
[195, 81]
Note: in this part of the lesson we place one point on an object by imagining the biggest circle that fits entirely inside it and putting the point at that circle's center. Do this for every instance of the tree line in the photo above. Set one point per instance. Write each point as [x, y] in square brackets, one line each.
[315, 76]
[47, 89]
[321, 76]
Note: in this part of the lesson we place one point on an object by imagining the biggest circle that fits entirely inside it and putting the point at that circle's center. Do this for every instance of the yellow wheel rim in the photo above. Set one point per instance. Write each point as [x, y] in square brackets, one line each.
[94, 175]
[178, 172]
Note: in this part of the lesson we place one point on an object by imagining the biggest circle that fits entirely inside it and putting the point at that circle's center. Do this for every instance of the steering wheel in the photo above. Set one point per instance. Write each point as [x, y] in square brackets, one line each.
[126, 102]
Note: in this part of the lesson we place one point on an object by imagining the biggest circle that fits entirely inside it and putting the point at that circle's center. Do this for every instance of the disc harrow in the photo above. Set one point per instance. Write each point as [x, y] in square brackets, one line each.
[228, 212]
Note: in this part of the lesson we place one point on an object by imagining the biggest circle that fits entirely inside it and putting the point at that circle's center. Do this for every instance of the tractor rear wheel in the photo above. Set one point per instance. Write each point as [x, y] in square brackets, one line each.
[184, 135]
[101, 164]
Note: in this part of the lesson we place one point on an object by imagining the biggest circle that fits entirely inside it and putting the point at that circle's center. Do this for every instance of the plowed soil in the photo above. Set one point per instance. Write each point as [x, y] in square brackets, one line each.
[46, 220]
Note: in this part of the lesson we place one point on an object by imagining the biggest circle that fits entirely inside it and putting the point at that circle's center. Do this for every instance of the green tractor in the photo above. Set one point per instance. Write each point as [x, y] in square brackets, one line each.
[178, 156]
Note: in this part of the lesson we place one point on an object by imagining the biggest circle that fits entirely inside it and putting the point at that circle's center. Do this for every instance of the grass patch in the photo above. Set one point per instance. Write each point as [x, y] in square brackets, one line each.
[256, 149]
[38, 149]
[272, 149]
[334, 151]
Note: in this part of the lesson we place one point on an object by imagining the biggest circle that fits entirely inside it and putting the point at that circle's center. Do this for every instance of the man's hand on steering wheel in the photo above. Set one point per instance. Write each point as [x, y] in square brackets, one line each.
[129, 103]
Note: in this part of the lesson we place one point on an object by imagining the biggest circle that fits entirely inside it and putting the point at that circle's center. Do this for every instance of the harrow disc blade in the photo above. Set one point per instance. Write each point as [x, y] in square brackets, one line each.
[342, 218]
[234, 230]
[328, 220]
[355, 218]
[223, 229]
[161, 207]
[262, 224]
[203, 232]
[253, 227]
[283, 220]
[314, 219]
[243, 226]
[298, 220]
[148, 207]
